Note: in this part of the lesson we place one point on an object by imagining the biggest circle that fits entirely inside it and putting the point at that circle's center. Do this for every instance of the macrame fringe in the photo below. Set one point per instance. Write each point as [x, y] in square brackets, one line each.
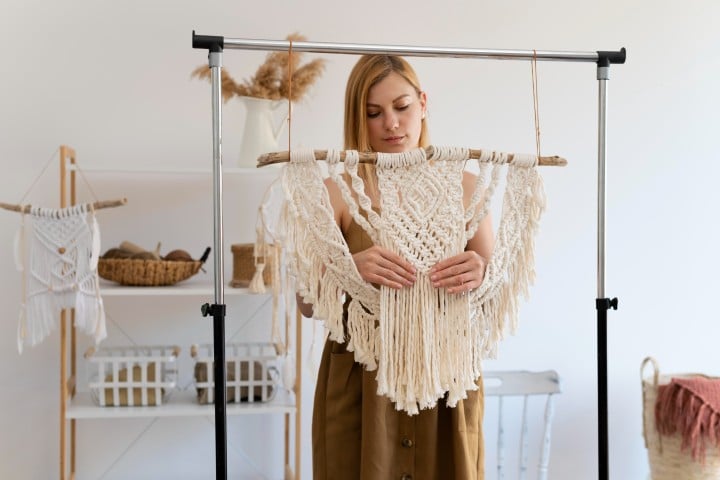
[18, 247]
[288, 371]
[679, 409]
[424, 342]
[271, 253]
[20, 259]
[421, 360]
[22, 329]
[95, 250]
[59, 275]
[510, 271]
[310, 362]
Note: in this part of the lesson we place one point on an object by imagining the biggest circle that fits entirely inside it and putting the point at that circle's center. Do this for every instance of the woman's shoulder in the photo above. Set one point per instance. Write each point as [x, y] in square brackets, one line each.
[337, 202]
[333, 189]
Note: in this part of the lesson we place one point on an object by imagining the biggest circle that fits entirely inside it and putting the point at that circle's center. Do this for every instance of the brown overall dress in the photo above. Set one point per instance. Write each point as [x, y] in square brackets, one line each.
[358, 435]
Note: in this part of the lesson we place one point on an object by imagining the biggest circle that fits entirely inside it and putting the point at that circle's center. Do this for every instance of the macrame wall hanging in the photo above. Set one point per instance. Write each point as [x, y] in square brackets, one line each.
[423, 342]
[57, 251]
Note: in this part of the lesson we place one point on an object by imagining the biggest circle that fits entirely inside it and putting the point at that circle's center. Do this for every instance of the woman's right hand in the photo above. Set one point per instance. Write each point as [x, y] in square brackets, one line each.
[380, 266]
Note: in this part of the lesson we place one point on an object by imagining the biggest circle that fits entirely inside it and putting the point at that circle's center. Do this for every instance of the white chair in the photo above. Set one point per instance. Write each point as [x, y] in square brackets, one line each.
[522, 392]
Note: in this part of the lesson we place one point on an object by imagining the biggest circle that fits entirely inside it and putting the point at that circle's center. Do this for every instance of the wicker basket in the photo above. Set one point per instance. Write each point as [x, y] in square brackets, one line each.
[154, 373]
[244, 265]
[668, 461]
[148, 273]
[252, 375]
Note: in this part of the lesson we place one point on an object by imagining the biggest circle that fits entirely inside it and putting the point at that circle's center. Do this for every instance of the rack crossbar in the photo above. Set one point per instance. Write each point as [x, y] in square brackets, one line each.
[199, 41]
[603, 59]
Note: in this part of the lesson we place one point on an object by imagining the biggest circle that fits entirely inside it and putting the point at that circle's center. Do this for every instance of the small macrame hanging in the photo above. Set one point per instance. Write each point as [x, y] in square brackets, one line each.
[57, 252]
[59, 271]
[425, 343]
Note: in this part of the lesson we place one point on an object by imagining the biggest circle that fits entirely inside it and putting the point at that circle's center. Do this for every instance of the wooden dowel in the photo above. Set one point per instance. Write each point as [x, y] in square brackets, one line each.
[370, 157]
[96, 205]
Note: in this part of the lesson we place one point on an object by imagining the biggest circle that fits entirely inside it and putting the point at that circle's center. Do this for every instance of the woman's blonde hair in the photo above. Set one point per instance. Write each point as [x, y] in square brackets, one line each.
[367, 72]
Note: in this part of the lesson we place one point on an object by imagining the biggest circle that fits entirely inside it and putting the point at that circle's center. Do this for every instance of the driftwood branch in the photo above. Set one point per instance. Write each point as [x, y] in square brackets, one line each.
[96, 205]
[370, 157]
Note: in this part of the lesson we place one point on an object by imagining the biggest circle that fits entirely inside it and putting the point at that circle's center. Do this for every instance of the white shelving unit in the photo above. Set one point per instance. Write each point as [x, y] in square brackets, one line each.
[178, 404]
[76, 406]
[186, 288]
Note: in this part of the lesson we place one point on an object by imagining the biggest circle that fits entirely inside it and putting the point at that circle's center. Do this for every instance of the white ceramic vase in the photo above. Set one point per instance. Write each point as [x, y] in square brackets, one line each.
[262, 129]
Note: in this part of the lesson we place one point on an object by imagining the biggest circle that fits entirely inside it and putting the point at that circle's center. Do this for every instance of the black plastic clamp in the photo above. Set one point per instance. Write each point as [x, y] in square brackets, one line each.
[213, 43]
[605, 58]
[606, 303]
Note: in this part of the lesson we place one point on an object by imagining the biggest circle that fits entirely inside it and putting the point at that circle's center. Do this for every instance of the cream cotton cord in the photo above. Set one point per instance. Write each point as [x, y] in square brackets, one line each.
[63, 248]
[424, 342]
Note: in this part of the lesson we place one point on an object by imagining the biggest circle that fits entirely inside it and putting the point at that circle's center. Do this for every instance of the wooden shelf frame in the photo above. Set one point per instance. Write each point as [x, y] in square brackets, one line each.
[76, 406]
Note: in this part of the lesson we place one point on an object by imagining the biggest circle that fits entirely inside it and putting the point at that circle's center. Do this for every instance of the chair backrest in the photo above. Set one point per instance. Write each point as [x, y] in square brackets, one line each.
[513, 391]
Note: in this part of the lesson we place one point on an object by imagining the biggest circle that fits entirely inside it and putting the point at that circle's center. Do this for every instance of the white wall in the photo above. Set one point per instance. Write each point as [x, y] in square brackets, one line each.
[112, 80]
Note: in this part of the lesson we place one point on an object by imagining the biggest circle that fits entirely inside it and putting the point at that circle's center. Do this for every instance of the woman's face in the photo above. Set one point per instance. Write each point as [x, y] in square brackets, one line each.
[394, 115]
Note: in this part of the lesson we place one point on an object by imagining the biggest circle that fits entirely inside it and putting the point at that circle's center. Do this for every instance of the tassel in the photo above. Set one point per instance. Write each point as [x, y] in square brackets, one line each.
[288, 371]
[95, 252]
[20, 265]
[21, 332]
[18, 247]
[257, 284]
[310, 363]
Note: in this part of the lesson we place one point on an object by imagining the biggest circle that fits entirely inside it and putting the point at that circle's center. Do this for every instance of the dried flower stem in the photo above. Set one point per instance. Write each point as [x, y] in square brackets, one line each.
[271, 80]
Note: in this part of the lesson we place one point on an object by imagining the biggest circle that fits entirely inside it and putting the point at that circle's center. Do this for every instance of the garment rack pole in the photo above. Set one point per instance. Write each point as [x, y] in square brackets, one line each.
[603, 59]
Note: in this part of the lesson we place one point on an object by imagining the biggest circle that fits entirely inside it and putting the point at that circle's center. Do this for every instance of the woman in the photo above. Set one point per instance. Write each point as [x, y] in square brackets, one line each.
[358, 434]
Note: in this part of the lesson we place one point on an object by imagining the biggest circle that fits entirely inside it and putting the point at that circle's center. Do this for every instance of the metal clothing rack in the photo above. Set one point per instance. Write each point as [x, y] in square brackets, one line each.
[217, 44]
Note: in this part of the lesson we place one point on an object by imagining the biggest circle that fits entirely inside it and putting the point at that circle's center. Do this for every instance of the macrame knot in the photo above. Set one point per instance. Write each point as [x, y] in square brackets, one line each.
[402, 159]
[332, 158]
[445, 153]
[524, 160]
[485, 156]
[425, 343]
[498, 158]
[302, 156]
[352, 158]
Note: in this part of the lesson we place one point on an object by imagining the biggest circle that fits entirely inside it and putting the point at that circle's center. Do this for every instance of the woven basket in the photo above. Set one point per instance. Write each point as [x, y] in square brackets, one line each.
[148, 273]
[668, 461]
[244, 265]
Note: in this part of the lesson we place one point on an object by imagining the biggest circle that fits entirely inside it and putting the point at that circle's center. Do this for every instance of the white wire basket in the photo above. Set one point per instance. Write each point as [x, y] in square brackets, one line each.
[154, 374]
[252, 373]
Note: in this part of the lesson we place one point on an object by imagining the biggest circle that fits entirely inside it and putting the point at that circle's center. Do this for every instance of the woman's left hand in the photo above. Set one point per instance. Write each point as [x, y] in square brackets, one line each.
[459, 273]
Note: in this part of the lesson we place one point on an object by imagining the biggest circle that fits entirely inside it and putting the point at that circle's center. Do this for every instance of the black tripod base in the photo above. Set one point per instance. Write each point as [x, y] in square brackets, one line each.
[218, 314]
[602, 306]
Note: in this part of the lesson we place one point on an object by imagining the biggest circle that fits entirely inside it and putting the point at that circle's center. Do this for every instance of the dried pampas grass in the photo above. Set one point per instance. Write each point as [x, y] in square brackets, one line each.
[272, 79]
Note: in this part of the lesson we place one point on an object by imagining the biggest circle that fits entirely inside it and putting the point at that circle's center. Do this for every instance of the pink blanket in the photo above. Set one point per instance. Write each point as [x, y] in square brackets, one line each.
[690, 406]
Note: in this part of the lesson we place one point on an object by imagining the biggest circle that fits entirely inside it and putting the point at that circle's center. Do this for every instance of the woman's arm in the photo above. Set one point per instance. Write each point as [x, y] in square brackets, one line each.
[305, 308]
